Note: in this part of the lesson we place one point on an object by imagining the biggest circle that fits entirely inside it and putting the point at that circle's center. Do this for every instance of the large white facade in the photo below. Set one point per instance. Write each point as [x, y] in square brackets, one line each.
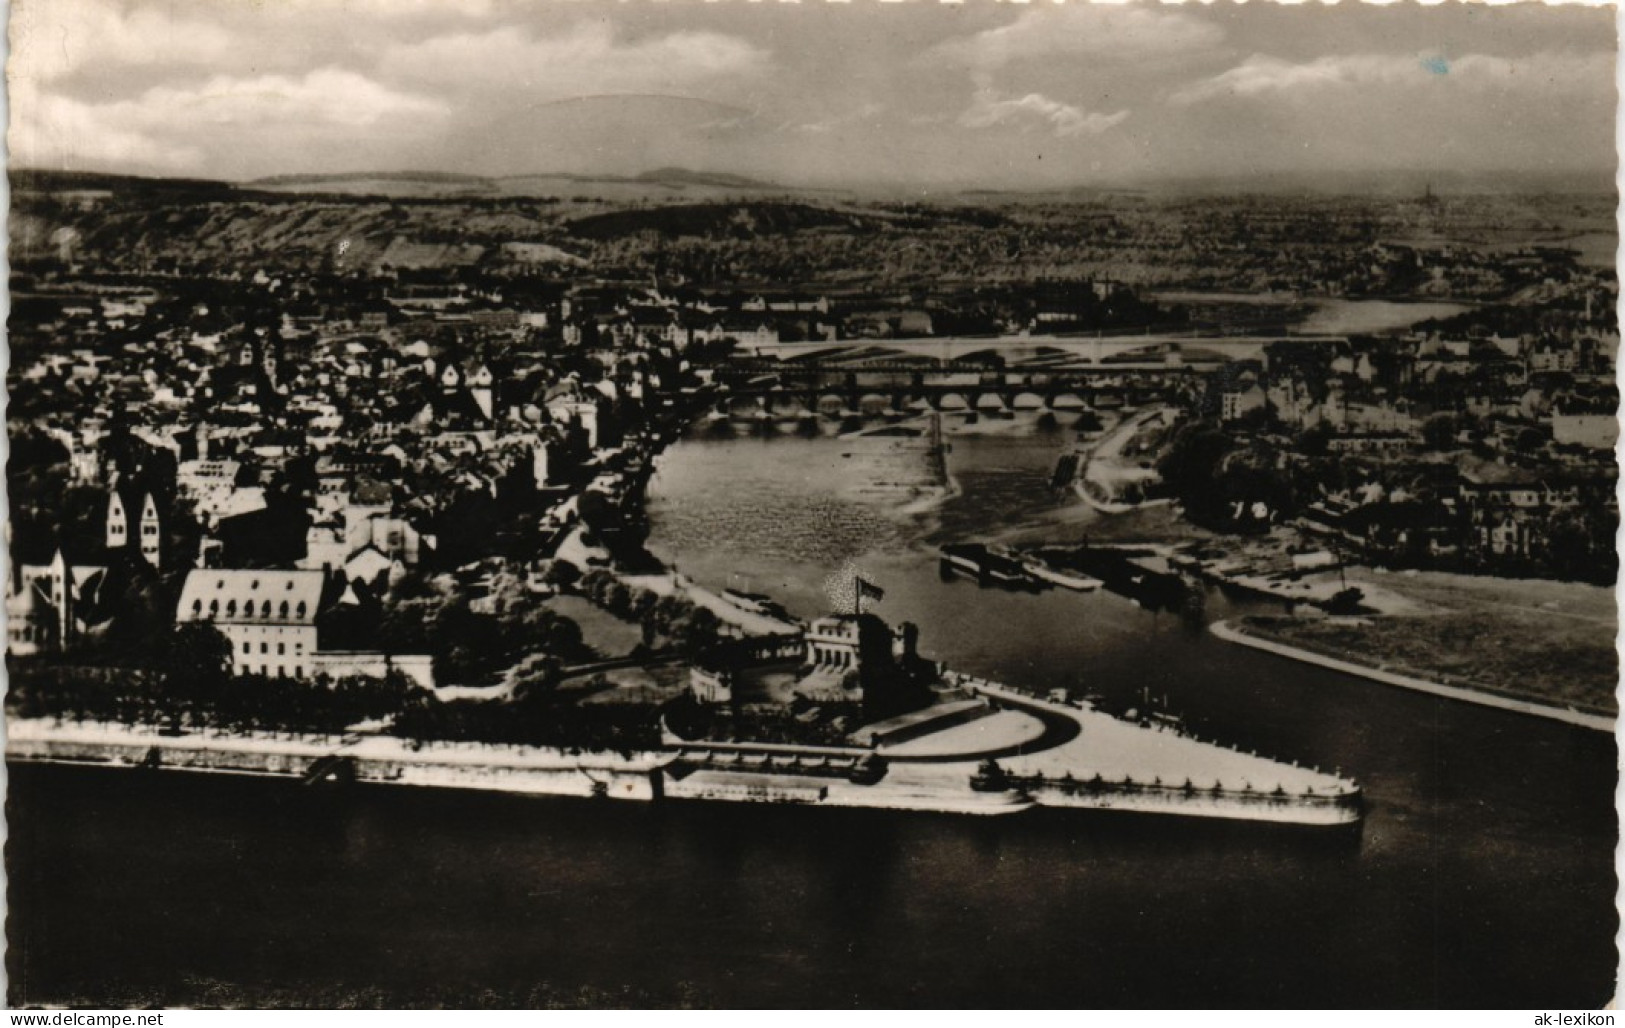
[268, 616]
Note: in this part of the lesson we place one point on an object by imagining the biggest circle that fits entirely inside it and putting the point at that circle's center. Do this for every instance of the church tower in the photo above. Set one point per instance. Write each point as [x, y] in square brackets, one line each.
[118, 520]
[151, 532]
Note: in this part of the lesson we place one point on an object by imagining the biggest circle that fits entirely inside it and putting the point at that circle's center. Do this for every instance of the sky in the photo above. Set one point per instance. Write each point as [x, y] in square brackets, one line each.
[975, 94]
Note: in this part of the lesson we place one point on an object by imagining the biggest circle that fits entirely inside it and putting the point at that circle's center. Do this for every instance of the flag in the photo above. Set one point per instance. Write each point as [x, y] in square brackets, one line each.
[867, 590]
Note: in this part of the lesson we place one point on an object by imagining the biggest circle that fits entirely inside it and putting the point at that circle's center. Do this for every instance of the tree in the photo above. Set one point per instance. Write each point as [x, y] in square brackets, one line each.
[1189, 468]
[507, 594]
[1580, 546]
[196, 671]
[617, 599]
[198, 657]
[1530, 439]
[537, 627]
[1346, 601]
[643, 601]
[562, 574]
[696, 631]
[1314, 440]
[466, 644]
[534, 677]
[595, 583]
[405, 624]
[1439, 431]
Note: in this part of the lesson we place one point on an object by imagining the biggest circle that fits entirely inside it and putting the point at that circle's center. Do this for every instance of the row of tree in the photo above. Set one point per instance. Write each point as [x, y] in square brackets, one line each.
[193, 688]
[435, 614]
[534, 716]
[679, 621]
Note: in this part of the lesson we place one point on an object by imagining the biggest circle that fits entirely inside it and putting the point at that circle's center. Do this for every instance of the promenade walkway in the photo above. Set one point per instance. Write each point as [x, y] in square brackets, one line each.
[1117, 749]
[998, 734]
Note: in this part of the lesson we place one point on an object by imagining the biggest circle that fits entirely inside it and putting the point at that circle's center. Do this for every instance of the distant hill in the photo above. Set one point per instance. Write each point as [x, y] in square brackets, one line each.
[658, 185]
[739, 220]
[1404, 183]
[438, 177]
[395, 185]
[684, 176]
[34, 180]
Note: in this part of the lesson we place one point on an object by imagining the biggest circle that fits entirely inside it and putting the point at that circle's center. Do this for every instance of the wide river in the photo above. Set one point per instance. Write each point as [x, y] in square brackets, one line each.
[1483, 876]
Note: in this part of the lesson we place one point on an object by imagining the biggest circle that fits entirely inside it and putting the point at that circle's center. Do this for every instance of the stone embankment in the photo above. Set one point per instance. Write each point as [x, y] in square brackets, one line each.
[1082, 758]
[366, 758]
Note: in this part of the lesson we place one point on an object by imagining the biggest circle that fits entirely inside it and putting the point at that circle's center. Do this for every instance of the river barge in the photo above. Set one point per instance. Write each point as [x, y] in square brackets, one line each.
[1074, 580]
[986, 566]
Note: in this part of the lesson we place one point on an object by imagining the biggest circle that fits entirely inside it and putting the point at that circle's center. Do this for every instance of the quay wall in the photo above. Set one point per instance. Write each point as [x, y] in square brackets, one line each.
[390, 762]
[644, 776]
[1229, 804]
[1341, 804]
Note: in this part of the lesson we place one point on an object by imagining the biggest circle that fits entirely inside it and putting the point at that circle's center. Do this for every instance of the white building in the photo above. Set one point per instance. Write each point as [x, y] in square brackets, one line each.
[1593, 431]
[268, 616]
[45, 612]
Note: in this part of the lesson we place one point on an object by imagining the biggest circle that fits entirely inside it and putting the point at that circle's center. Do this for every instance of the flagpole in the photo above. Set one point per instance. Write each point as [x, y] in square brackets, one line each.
[857, 596]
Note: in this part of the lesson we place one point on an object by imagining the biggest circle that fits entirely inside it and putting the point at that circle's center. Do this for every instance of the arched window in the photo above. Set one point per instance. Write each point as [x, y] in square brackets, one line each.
[265, 609]
[282, 611]
[197, 607]
[231, 608]
[299, 611]
[214, 607]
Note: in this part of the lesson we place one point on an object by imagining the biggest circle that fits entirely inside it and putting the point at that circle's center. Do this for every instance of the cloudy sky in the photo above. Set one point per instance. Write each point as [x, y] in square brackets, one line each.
[817, 93]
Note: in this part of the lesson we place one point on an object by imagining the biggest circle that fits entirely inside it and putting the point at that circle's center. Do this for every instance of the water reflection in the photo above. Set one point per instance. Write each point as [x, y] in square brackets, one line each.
[1483, 875]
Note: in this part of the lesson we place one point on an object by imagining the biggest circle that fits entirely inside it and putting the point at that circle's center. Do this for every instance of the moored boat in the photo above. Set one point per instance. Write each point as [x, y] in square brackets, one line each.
[1075, 580]
[986, 566]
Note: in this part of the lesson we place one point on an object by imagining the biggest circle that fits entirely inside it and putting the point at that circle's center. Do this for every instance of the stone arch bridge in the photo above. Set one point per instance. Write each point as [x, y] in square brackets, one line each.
[993, 394]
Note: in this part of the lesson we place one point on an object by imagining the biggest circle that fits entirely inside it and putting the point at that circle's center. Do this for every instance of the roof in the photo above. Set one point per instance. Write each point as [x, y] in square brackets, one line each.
[239, 596]
[225, 470]
[22, 603]
[245, 500]
[371, 492]
[367, 562]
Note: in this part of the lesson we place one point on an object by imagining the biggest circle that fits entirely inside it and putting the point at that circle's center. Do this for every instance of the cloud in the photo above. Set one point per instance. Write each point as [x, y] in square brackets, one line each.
[585, 60]
[1036, 111]
[1082, 30]
[399, 9]
[53, 38]
[326, 96]
[1541, 73]
[866, 113]
[57, 132]
[241, 88]
[159, 128]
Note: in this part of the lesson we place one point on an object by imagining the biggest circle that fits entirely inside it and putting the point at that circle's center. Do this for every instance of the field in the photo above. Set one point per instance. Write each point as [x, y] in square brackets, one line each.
[606, 634]
[1551, 642]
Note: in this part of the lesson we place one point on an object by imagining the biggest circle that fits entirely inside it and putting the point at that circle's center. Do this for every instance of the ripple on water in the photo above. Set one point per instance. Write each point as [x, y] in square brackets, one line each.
[813, 501]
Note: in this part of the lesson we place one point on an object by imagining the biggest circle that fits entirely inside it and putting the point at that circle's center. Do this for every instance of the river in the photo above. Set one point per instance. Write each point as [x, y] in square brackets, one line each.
[1483, 876]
